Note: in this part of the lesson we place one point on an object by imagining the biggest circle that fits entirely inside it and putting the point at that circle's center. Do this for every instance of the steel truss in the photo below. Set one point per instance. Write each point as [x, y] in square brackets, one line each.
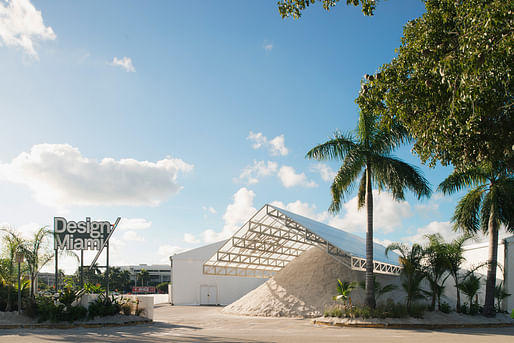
[269, 241]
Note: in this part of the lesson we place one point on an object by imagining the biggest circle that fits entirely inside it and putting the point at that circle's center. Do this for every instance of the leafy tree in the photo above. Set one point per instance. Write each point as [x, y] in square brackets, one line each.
[436, 267]
[489, 204]
[368, 157]
[294, 8]
[412, 271]
[451, 83]
[344, 288]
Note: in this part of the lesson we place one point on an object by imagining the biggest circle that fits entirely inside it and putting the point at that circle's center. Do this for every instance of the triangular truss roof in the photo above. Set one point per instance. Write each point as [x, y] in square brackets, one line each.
[273, 237]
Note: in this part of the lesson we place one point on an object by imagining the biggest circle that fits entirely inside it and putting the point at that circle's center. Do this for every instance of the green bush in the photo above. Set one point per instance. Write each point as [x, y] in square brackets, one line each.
[103, 306]
[49, 309]
[512, 314]
[445, 308]
[388, 310]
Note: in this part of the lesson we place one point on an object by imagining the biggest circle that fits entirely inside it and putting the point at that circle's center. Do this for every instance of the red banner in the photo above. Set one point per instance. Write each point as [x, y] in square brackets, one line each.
[143, 289]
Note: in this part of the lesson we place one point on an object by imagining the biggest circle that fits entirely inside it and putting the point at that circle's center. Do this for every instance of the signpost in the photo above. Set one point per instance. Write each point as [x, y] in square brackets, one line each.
[82, 235]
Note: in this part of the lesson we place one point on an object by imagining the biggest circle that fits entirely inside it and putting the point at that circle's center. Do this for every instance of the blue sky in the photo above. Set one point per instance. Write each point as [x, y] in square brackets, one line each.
[184, 117]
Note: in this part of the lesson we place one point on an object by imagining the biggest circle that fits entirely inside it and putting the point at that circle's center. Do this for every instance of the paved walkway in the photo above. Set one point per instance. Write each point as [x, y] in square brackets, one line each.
[207, 324]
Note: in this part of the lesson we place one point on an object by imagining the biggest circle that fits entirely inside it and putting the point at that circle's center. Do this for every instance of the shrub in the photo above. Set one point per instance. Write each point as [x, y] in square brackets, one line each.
[48, 309]
[103, 306]
[512, 314]
[387, 310]
[445, 308]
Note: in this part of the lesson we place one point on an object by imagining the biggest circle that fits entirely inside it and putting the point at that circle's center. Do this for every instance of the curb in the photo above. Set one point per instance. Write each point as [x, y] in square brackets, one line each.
[73, 325]
[412, 326]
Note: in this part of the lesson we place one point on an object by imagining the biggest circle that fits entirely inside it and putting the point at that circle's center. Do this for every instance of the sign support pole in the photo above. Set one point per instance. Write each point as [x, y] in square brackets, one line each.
[81, 268]
[56, 270]
[107, 272]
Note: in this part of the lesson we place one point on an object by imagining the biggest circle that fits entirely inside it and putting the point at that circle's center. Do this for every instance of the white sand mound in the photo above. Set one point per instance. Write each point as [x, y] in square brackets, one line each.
[303, 288]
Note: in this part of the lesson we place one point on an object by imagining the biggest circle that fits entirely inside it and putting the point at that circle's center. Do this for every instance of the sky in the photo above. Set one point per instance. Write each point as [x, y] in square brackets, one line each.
[185, 117]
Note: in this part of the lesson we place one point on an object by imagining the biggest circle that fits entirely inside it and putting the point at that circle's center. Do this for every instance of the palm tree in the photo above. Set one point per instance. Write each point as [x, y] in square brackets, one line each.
[454, 260]
[412, 271]
[36, 256]
[436, 267]
[367, 156]
[379, 290]
[143, 276]
[488, 205]
[344, 288]
[470, 286]
[500, 293]
[12, 242]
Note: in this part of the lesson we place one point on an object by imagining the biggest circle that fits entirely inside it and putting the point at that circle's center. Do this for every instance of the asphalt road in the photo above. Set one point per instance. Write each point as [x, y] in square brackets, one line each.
[208, 324]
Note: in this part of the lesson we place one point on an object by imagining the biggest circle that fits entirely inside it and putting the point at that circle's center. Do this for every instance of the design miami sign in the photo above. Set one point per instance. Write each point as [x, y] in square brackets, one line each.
[82, 235]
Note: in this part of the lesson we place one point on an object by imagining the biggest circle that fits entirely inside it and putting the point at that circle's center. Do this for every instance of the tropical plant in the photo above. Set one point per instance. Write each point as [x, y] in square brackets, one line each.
[412, 272]
[379, 289]
[436, 267]
[143, 276]
[367, 157]
[500, 293]
[37, 256]
[12, 243]
[344, 288]
[488, 205]
[455, 259]
[470, 286]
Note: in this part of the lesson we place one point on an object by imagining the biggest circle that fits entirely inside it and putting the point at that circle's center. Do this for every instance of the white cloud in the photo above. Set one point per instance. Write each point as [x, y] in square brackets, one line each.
[209, 209]
[303, 209]
[189, 238]
[326, 173]
[251, 173]
[58, 175]
[290, 178]
[167, 250]
[132, 236]
[267, 47]
[125, 63]
[22, 25]
[133, 224]
[444, 228]
[236, 214]
[388, 214]
[275, 146]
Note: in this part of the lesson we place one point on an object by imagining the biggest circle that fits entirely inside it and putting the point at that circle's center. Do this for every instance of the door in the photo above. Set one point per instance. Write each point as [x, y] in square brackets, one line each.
[208, 295]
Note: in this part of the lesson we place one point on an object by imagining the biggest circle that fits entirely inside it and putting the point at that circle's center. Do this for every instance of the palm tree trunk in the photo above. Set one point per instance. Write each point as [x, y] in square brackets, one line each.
[458, 292]
[491, 265]
[370, 287]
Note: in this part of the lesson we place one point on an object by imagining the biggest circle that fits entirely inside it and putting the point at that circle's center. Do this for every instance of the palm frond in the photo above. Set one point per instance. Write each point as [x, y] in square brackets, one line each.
[361, 193]
[396, 175]
[467, 212]
[335, 148]
[459, 180]
[344, 180]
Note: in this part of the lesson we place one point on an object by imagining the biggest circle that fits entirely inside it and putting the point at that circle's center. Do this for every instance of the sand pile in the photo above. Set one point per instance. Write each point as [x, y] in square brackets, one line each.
[303, 288]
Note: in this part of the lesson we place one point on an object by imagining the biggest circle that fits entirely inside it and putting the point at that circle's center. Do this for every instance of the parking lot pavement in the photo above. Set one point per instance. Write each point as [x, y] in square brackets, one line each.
[207, 324]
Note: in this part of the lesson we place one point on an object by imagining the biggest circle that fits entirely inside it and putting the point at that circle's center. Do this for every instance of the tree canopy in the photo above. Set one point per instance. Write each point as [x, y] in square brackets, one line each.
[451, 83]
[294, 8]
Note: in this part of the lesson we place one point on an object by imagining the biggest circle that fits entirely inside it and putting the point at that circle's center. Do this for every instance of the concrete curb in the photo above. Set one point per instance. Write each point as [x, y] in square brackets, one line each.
[411, 326]
[73, 325]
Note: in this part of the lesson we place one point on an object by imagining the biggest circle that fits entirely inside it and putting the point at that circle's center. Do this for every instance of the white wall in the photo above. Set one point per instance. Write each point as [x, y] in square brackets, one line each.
[187, 278]
[477, 254]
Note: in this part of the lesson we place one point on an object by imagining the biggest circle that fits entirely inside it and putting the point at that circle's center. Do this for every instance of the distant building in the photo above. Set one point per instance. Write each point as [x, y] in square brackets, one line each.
[158, 272]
